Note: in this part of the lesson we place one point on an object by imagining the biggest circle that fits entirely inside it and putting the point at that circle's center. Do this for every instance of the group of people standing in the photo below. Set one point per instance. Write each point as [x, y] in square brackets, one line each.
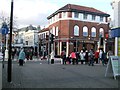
[86, 57]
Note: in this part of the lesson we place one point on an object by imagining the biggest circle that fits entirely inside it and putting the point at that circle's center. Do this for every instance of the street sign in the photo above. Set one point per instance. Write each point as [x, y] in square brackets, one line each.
[4, 29]
[113, 66]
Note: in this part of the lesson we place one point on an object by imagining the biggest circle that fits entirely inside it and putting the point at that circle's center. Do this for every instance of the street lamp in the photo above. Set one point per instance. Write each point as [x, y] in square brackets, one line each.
[10, 44]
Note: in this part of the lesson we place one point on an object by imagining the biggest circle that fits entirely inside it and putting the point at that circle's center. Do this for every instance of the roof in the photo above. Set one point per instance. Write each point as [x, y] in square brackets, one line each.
[78, 8]
[43, 30]
[30, 27]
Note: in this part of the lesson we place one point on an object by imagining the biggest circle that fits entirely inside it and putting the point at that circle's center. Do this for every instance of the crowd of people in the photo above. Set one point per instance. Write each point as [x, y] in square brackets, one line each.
[86, 57]
[22, 54]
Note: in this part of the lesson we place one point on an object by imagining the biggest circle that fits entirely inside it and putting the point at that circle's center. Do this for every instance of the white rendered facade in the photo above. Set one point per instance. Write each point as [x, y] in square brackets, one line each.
[27, 39]
[116, 7]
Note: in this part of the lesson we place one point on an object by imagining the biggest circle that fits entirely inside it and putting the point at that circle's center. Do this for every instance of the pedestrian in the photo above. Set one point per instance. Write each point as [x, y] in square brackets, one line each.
[73, 57]
[21, 57]
[109, 53]
[104, 58]
[63, 56]
[82, 57]
[91, 58]
[13, 53]
[52, 57]
[77, 57]
[100, 55]
[30, 54]
[96, 56]
[86, 57]
[27, 54]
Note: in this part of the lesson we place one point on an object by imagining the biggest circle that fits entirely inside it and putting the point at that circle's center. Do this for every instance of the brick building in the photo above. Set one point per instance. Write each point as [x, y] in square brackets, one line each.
[75, 27]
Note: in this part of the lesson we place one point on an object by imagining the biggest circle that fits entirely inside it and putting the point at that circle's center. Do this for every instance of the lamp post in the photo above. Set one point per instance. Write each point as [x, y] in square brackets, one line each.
[6, 50]
[10, 45]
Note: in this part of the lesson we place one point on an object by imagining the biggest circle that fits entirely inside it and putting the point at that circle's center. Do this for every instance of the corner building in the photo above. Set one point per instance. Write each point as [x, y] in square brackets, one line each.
[76, 27]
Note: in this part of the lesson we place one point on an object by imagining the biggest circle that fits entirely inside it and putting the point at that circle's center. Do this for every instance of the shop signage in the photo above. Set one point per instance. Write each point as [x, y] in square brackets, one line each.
[113, 66]
[119, 46]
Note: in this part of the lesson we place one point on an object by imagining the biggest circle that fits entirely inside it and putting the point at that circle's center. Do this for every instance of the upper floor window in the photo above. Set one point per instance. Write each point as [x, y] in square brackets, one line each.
[85, 16]
[76, 30]
[76, 14]
[56, 31]
[53, 30]
[85, 31]
[101, 32]
[64, 14]
[93, 32]
[101, 18]
[93, 17]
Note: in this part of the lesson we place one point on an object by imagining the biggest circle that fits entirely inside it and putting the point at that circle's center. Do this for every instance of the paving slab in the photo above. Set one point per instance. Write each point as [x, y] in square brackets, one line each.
[0, 75]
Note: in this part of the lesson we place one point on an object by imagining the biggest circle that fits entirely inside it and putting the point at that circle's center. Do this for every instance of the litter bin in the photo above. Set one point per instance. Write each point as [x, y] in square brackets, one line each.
[52, 61]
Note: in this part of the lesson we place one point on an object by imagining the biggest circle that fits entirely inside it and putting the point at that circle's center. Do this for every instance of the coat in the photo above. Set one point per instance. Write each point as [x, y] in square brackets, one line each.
[21, 55]
[73, 55]
[52, 55]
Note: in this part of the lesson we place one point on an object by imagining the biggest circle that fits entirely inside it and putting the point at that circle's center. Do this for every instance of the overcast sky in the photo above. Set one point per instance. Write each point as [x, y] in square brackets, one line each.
[35, 12]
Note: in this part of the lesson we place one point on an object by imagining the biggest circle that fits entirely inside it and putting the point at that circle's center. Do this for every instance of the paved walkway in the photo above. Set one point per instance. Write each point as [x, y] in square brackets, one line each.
[36, 75]
[0, 75]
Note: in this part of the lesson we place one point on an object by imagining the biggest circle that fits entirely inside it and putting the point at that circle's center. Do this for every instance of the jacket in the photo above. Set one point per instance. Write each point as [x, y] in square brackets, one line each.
[21, 55]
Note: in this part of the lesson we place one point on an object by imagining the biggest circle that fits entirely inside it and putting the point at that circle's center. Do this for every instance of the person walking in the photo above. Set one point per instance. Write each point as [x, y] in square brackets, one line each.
[21, 57]
[63, 56]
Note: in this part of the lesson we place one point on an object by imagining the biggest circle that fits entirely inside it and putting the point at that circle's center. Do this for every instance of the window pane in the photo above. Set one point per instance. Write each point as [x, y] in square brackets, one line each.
[93, 17]
[84, 16]
[101, 18]
[101, 32]
[76, 14]
[85, 31]
[93, 32]
[76, 30]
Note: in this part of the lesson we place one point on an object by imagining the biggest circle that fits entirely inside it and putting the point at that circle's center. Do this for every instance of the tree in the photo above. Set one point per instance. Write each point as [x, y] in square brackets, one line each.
[4, 18]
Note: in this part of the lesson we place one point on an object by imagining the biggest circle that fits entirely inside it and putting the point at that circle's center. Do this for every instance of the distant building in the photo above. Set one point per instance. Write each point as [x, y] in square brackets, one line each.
[26, 37]
[76, 27]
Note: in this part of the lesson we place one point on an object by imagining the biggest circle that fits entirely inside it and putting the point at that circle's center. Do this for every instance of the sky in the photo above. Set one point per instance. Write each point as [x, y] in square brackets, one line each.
[35, 12]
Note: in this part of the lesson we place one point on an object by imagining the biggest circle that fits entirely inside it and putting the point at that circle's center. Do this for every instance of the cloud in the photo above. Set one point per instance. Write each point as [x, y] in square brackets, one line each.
[30, 11]
[35, 12]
